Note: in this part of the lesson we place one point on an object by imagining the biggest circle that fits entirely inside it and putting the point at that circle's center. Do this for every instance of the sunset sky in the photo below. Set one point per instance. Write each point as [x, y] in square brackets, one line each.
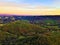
[30, 7]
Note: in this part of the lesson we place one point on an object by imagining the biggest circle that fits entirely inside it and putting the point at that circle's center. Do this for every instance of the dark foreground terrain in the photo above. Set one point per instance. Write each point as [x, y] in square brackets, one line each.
[24, 32]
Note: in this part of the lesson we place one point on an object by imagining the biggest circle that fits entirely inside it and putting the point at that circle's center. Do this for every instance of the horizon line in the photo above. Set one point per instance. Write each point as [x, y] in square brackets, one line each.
[26, 15]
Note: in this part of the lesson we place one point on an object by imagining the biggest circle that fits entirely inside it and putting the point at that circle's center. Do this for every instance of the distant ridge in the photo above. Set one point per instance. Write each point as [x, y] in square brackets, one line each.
[24, 15]
[5, 18]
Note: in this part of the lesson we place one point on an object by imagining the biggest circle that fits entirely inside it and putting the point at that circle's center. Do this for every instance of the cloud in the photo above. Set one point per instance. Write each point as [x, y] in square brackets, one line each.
[10, 7]
[29, 4]
[26, 11]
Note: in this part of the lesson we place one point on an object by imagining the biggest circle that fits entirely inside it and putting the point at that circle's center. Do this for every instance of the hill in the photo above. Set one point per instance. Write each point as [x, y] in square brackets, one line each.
[22, 32]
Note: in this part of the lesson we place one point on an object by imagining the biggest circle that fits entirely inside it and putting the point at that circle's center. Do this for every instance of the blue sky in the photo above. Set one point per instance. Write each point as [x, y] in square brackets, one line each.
[52, 3]
[30, 6]
[29, 1]
[34, 2]
[39, 1]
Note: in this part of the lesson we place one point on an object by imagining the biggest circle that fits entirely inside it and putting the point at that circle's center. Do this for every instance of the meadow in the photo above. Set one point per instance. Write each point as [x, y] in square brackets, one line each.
[23, 32]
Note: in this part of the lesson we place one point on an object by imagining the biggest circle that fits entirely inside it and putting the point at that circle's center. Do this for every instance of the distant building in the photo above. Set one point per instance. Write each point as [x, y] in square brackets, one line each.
[6, 19]
[1, 20]
[12, 19]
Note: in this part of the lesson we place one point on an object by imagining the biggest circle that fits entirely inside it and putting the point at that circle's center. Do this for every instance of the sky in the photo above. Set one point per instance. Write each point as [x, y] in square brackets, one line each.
[30, 7]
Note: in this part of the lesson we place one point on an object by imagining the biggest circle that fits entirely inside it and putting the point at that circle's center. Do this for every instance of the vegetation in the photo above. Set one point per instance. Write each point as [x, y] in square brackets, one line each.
[25, 33]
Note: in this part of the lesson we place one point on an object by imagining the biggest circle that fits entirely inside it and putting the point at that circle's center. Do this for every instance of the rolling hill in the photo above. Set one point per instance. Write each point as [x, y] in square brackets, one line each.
[29, 30]
[22, 32]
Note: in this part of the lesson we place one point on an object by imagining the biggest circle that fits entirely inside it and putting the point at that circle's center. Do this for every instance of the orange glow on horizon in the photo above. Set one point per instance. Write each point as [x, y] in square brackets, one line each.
[23, 11]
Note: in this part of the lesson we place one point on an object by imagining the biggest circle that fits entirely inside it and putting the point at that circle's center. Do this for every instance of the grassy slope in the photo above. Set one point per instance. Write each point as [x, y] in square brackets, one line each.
[24, 30]
[20, 27]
